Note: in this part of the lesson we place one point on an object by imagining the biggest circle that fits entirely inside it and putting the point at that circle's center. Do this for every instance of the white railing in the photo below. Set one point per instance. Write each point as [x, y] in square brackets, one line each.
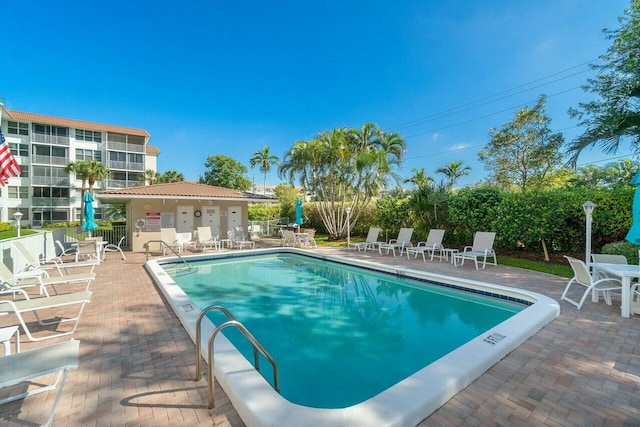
[50, 201]
[125, 165]
[123, 146]
[51, 160]
[50, 139]
[47, 180]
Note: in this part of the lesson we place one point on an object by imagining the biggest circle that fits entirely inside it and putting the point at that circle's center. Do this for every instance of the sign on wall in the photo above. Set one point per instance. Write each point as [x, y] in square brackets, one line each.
[153, 221]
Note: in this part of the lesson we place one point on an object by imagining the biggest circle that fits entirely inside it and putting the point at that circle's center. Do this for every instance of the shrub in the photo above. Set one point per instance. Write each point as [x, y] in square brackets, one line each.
[625, 248]
[6, 226]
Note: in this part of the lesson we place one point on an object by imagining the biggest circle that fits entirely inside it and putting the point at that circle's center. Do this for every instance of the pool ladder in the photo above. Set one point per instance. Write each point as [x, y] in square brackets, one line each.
[254, 342]
[164, 245]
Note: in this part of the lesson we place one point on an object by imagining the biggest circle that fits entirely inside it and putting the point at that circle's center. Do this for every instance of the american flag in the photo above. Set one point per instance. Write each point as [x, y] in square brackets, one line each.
[8, 165]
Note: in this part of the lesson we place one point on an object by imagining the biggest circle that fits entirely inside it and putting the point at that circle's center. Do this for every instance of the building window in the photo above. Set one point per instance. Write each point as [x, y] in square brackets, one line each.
[18, 149]
[18, 192]
[25, 171]
[88, 135]
[117, 156]
[88, 155]
[50, 130]
[16, 128]
[50, 192]
[136, 158]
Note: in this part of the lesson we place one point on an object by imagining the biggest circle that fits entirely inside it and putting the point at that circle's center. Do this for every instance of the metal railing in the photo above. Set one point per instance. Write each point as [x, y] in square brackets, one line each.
[232, 322]
[164, 245]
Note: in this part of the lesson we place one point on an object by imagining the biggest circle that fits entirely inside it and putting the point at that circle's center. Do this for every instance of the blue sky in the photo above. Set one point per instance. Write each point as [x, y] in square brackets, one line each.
[212, 77]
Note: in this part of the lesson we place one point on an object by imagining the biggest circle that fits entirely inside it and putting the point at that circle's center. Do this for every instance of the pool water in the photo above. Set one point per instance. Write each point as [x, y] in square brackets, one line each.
[340, 334]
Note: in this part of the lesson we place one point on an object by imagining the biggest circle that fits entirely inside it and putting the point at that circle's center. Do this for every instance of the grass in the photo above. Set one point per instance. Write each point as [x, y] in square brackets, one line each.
[527, 264]
[9, 234]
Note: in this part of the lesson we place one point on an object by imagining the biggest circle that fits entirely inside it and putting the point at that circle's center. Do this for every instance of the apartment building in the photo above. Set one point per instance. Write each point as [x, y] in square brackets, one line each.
[45, 145]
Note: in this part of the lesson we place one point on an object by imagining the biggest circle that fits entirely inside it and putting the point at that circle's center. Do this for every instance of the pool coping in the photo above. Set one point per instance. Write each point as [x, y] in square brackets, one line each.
[405, 403]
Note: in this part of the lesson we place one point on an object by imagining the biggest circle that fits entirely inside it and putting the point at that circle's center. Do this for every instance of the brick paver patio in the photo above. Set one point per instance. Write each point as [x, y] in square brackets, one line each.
[137, 362]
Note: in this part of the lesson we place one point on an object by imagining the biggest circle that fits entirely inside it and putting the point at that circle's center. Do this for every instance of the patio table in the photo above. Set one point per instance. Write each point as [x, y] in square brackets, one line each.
[625, 272]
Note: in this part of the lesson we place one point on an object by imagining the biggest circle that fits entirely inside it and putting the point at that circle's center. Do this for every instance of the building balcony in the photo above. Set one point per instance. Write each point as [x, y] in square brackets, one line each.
[121, 183]
[51, 160]
[111, 164]
[50, 201]
[50, 139]
[123, 146]
[48, 180]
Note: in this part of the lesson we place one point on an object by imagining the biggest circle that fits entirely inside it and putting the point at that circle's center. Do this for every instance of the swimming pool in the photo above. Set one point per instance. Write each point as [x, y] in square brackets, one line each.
[409, 396]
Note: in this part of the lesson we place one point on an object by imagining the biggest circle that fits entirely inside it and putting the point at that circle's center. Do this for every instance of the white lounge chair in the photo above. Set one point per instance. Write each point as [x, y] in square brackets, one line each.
[239, 240]
[169, 239]
[402, 242]
[24, 367]
[34, 278]
[114, 248]
[64, 251]
[433, 244]
[32, 262]
[46, 303]
[582, 277]
[288, 238]
[369, 243]
[482, 248]
[205, 240]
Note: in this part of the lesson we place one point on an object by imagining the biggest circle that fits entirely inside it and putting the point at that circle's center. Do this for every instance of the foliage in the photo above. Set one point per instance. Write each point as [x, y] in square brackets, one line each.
[524, 152]
[625, 248]
[615, 116]
[116, 211]
[344, 169]
[263, 212]
[6, 226]
[89, 171]
[428, 205]
[287, 195]
[453, 171]
[471, 210]
[392, 214]
[223, 171]
[264, 159]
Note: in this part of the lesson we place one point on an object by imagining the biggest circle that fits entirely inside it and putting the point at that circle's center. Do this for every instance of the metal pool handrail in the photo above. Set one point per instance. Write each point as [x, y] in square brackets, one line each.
[210, 362]
[146, 247]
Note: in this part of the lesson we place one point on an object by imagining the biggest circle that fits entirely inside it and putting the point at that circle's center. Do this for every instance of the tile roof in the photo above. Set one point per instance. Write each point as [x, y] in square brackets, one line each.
[152, 149]
[72, 123]
[183, 189]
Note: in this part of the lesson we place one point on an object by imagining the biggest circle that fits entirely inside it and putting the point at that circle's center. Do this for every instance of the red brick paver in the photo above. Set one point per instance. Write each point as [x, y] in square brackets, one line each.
[137, 362]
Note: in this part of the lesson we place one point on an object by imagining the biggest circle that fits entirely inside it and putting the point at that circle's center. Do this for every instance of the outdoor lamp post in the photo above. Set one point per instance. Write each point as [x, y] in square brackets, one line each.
[348, 226]
[18, 217]
[588, 210]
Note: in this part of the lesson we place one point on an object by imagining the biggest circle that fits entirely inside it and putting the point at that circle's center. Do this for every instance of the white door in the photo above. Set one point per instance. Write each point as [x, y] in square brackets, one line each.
[211, 218]
[184, 224]
[234, 218]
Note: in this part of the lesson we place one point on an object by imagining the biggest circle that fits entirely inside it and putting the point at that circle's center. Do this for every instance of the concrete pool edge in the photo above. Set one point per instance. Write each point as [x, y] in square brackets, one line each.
[406, 403]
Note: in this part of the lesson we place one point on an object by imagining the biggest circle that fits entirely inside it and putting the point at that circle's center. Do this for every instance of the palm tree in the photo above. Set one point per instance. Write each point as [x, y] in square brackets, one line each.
[171, 176]
[419, 178]
[454, 171]
[150, 177]
[265, 160]
[89, 171]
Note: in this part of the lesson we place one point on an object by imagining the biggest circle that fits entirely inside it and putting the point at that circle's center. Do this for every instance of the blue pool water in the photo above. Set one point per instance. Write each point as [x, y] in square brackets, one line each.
[340, 334]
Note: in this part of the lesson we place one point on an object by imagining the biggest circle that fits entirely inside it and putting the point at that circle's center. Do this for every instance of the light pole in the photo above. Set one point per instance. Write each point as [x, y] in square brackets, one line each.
[18, 217]
[588, 210]
[348, 227]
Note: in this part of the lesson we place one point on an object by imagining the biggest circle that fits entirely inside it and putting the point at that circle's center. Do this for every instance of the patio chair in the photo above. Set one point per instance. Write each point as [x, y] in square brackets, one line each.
[64, 251]
[24, 367]
[402, 242]
[482, 248]
[32, 262]
[46, 303]
[582, 277]
[238, 238]
[206, 240]
[310, 241]
[169, 239]
[433, 244]
[37, 278]
[114, 248]
[369, 243]
[88, 254]
[288, 238]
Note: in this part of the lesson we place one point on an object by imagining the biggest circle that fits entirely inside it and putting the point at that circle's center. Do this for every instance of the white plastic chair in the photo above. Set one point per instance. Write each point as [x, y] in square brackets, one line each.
[206, 240]
[482, 248]
[369, 243]
[114, 248]
[433, 244]
[65, 251]
[402, 242]
[582, 277]
[23, 367]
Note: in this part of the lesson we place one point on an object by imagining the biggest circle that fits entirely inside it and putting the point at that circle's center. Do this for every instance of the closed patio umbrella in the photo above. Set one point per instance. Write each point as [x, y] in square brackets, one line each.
[88, 224]
[634, 232]
[298, 211]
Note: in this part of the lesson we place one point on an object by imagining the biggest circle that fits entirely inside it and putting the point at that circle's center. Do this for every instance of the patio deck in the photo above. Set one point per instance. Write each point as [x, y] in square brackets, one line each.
[137, 362]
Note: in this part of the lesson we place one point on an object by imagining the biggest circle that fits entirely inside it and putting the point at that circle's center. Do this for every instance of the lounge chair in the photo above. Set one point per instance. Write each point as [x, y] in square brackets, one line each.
[310, 240]
[114, 248]
[288, 238]
[582, 277]
[402, 242]
[482, 248]
[46, 303]
[205, 240]
[64, 251]
[38, 278]
[32, 262]
[433, 244]
[31, 364]
[238, 238]
[369, 243]
[169, 239]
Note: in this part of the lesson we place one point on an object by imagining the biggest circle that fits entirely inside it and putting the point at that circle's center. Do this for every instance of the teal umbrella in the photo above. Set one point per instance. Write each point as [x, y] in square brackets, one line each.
[298, 211]
[634, 233]
[88, 224]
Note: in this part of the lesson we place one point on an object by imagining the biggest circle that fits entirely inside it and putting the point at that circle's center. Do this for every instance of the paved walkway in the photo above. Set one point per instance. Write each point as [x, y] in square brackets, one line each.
[137, 363]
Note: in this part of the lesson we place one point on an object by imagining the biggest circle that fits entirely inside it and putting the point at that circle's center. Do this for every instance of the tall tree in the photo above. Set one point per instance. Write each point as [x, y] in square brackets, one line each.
[224, 171]
[264, 159]
[615, 116]
[419, 178]
[523, 152]
[89, 171]
[150, 177]
[343, 169]
[453, 171]
[171, 176]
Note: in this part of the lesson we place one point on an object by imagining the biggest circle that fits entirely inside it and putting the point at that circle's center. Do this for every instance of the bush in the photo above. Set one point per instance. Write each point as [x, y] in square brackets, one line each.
[625, 248]
[6, 226]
